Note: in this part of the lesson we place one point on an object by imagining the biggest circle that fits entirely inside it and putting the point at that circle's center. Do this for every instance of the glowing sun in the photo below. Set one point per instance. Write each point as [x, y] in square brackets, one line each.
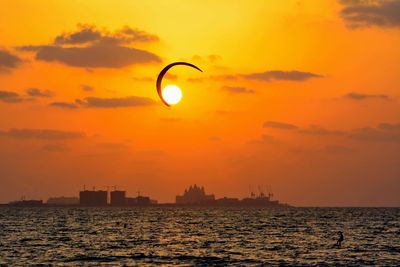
[172, 94]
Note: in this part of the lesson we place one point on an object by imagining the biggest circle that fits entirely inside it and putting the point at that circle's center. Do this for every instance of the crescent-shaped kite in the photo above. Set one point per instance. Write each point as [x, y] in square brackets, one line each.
[164, 71]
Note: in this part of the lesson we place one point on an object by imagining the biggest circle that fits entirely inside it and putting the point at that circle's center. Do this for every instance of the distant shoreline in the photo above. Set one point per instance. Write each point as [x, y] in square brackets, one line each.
[173, 205]
[167, 205]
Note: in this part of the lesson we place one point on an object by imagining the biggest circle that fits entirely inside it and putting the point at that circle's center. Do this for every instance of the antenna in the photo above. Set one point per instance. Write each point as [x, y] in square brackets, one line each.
[270, 194]
[260, 190]
[252, 194]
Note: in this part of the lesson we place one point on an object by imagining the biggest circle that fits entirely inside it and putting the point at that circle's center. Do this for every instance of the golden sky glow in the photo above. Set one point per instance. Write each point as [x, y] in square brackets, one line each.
[299, 95]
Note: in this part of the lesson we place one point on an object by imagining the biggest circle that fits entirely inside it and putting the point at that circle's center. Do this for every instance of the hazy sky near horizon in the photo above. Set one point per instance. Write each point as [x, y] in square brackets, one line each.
[303, 96]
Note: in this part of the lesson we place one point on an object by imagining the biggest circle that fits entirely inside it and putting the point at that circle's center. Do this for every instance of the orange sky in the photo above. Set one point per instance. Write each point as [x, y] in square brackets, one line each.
[299, 95]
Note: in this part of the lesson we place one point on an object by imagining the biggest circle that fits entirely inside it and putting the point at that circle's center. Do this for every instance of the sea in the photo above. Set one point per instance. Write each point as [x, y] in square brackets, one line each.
[199, 236]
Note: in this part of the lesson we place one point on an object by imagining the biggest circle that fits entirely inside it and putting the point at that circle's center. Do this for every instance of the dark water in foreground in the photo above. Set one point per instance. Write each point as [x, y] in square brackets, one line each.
[198, 236]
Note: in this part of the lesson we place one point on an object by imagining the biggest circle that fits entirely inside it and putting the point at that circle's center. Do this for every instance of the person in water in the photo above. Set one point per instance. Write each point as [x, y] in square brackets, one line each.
[340, 240]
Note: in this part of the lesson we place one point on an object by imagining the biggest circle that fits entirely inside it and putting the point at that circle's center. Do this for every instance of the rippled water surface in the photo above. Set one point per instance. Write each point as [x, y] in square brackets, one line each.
[198, 236]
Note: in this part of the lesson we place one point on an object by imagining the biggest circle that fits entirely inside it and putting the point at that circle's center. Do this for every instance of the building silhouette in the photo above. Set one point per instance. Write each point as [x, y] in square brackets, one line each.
[227, 201]
[93, 198]
[194, 195]
[141, 200]
[118, 198]
[138, 201]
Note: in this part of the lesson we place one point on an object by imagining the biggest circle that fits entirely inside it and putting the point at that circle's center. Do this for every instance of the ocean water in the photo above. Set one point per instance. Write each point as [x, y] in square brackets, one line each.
[198, 236]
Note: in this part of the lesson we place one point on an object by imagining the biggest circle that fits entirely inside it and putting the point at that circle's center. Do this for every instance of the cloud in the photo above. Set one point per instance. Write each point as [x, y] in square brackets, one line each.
[170, 76]
[376, 134]
[383, 13]
[214, 139]
[114, 146]
[41, 134]
[273, 75]
[90, 34]
[66, 105]
[237, 90]
[210, 58]
[264, 140]
[279, 75]
[279, 125]
[58, 147]
[195, 80]
[213, 58]
[8, 61]
[36, 92]
[318, 130]
[91, 48]
[129, 101]
[327, 149]
[383, 132]
[389, 126]
[143, 79]
[98, 102]
[335, 149]
[10, 97]
[95, 56]
[225, 77]
[87, 88]
[83, 36]
[361, 96]
[14, 97]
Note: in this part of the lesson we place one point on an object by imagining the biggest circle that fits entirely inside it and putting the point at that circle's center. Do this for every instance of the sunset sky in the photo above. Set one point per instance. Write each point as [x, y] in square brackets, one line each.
[302, 96]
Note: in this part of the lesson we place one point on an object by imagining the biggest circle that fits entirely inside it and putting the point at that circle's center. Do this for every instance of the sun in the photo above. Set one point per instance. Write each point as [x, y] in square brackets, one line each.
[172, 94]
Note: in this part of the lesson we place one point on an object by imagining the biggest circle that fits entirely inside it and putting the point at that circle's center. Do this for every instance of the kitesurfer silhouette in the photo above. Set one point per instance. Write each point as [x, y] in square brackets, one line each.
[340, 240]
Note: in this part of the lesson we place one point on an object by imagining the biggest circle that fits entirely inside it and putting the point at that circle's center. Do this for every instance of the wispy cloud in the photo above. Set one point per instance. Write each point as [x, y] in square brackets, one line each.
[362, 96]
[389, 126]
[88, 34]
[318, 130]
[224, 77]
[335, 149]
[10, 97]
[91, 48]
[214, 139]
[280, 75]
[361, 13]
[87, 88]
[56, 147]
[66, 105]
[8, 61]
[203, 59]
[115, 102]
[41, 134]
[383, 133]
[36, 92]
[279, 125]
[237, 90]
[104, 102]
[264, 140]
